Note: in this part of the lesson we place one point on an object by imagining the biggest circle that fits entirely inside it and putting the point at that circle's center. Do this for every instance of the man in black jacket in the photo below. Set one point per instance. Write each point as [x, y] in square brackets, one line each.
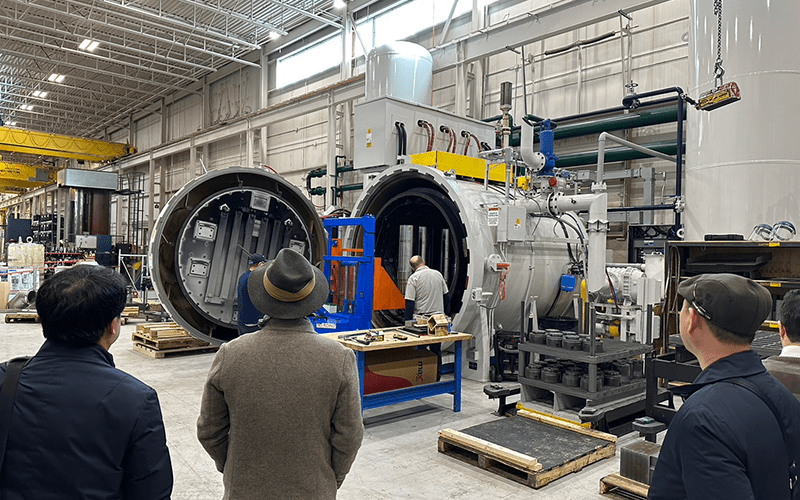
[80, 428]
[725, 442]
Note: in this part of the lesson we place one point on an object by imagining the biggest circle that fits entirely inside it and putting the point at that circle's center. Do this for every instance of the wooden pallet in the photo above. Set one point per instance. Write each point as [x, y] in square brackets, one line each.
[168, 342]
[166, 329]
[616, 486]
[545, 458]
[22, 316]
[163, 353]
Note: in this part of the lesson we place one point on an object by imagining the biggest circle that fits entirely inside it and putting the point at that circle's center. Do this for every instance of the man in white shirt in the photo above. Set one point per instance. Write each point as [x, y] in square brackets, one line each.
[426, 291]
[786, 366]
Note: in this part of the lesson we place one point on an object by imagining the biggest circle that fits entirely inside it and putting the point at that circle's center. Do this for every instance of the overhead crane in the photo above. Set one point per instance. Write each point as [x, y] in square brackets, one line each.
[17, 177]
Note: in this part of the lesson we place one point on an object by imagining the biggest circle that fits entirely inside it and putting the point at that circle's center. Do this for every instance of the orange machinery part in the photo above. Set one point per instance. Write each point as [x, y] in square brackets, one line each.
[385, 294]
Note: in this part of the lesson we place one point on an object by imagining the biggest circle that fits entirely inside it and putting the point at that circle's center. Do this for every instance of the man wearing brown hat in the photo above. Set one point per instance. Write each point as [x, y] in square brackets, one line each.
[726, 442]
[281, 410]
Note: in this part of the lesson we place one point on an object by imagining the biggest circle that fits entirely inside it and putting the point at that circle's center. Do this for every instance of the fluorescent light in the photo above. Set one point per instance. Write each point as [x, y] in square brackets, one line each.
[26, 107]
[55, 77]
[274, 35]
[93, 46]
[85, 43]
[39, 93]
[60, 78]
[11, 124]
[339, 4]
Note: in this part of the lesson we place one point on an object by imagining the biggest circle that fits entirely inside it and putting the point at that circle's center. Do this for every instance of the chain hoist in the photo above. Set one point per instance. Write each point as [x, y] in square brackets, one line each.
[722, 93]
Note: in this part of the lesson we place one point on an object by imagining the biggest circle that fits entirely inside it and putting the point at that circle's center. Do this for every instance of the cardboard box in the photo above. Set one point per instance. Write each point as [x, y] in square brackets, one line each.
[438, 325]
[5, 289]
[398, 368]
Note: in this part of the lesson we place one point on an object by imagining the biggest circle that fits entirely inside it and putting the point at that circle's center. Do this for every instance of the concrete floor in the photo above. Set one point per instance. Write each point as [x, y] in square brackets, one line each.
[398, 458]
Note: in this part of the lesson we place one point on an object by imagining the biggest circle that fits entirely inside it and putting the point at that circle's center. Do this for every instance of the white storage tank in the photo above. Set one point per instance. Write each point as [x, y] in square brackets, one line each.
[742, 160]
[400, 69]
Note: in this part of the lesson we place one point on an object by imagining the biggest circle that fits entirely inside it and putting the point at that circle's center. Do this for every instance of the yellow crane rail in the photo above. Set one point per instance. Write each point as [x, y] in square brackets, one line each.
[61, 146]
[16, 177]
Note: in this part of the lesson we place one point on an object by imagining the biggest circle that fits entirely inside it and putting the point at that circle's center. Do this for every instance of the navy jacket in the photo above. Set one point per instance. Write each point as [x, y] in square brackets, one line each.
[724, 442]
[81, 428]
[248, 315]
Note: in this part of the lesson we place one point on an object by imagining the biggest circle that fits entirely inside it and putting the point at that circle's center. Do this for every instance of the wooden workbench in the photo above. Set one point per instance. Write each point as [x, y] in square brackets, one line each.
[409, 393]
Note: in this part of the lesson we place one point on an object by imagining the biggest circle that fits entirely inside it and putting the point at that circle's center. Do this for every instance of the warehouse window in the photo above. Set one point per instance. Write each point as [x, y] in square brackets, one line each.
[404, 21]
[308, 62]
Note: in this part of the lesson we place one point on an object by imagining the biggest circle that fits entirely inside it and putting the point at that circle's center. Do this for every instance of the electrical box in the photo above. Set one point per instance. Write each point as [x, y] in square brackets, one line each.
[511, 226]
[376, 135]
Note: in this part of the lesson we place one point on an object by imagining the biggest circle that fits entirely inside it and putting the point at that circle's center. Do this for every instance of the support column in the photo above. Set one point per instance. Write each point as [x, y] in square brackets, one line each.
[263, 103]
[250, 137]
[151, 189]
[331, 177]
[193, 157]
[164, 134]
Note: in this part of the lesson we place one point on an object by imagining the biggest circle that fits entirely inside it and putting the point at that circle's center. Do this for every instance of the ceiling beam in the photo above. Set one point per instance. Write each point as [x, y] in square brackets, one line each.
[306, 13]
[231, 13]
[546, 22]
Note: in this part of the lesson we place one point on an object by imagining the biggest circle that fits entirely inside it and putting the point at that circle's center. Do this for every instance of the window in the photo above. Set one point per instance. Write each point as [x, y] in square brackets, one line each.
[308, 62]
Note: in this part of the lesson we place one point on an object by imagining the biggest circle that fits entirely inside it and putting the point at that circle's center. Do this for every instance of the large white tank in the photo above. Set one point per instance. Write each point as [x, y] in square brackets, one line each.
[743, 160]
[459, 240]
[400, 69]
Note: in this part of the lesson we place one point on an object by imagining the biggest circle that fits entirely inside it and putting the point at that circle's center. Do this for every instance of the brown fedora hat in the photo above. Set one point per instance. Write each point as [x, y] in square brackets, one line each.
[288, 287]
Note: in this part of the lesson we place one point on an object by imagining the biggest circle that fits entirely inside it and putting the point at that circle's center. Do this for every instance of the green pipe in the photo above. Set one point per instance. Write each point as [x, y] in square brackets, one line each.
[615, 155]
[498, 118]
[621, 122]
[337, 191]
[320, 172]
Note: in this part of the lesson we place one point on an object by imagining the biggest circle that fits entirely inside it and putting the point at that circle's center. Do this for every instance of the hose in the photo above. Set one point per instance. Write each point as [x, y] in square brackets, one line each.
[469, 136]
[429, 131]
[400, 139]
[451, 136]
[405, 138]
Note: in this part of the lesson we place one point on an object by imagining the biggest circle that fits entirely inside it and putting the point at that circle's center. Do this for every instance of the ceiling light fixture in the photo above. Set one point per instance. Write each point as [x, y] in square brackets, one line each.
[55, 77]
[40, 93]
[85, 43]
[93, 46]
[11, 124]
[26, 107]
[339, 4]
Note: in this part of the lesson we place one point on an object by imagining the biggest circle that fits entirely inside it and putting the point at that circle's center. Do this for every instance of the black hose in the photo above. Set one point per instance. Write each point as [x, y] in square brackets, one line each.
[405, 138]
[399, 139]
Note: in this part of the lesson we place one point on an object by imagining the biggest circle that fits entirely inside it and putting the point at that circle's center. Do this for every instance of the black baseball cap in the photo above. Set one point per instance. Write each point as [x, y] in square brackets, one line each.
[733, 303]
[256, 258]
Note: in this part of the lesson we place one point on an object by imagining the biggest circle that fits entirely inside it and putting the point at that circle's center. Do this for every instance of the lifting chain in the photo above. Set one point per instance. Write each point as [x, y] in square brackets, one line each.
[719, 71]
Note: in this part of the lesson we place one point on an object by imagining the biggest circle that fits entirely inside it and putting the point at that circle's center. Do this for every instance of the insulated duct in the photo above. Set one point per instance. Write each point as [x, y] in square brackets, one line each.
[205, 233]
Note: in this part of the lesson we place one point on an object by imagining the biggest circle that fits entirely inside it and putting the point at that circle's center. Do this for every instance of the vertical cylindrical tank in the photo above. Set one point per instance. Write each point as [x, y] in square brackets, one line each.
[400, 69]
[742, 162]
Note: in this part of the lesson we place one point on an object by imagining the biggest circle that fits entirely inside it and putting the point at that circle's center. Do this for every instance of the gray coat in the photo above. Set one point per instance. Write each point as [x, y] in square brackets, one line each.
[281, 413]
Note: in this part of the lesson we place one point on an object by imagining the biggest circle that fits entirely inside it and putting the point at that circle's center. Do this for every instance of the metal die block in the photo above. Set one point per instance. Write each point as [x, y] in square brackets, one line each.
[206, 231]
[638, 461]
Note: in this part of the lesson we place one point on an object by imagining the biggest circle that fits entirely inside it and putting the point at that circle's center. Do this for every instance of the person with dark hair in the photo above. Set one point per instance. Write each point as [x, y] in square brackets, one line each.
[727, 439]
[786, 366]
[247, 315]
[426, 291]
[79, 427]
[252, 421]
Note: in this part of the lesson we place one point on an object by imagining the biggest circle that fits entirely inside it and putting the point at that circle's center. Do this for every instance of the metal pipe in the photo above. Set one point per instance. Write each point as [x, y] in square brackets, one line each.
[445, 259]
[405, 251]
[642, 208]
[613, 155]
[422, 242]
[636, 147]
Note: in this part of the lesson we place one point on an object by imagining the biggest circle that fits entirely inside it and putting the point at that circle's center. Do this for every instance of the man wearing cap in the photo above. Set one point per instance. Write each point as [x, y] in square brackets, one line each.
[786, 366]
[247, 315]
[725, 442]
[281, 409]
